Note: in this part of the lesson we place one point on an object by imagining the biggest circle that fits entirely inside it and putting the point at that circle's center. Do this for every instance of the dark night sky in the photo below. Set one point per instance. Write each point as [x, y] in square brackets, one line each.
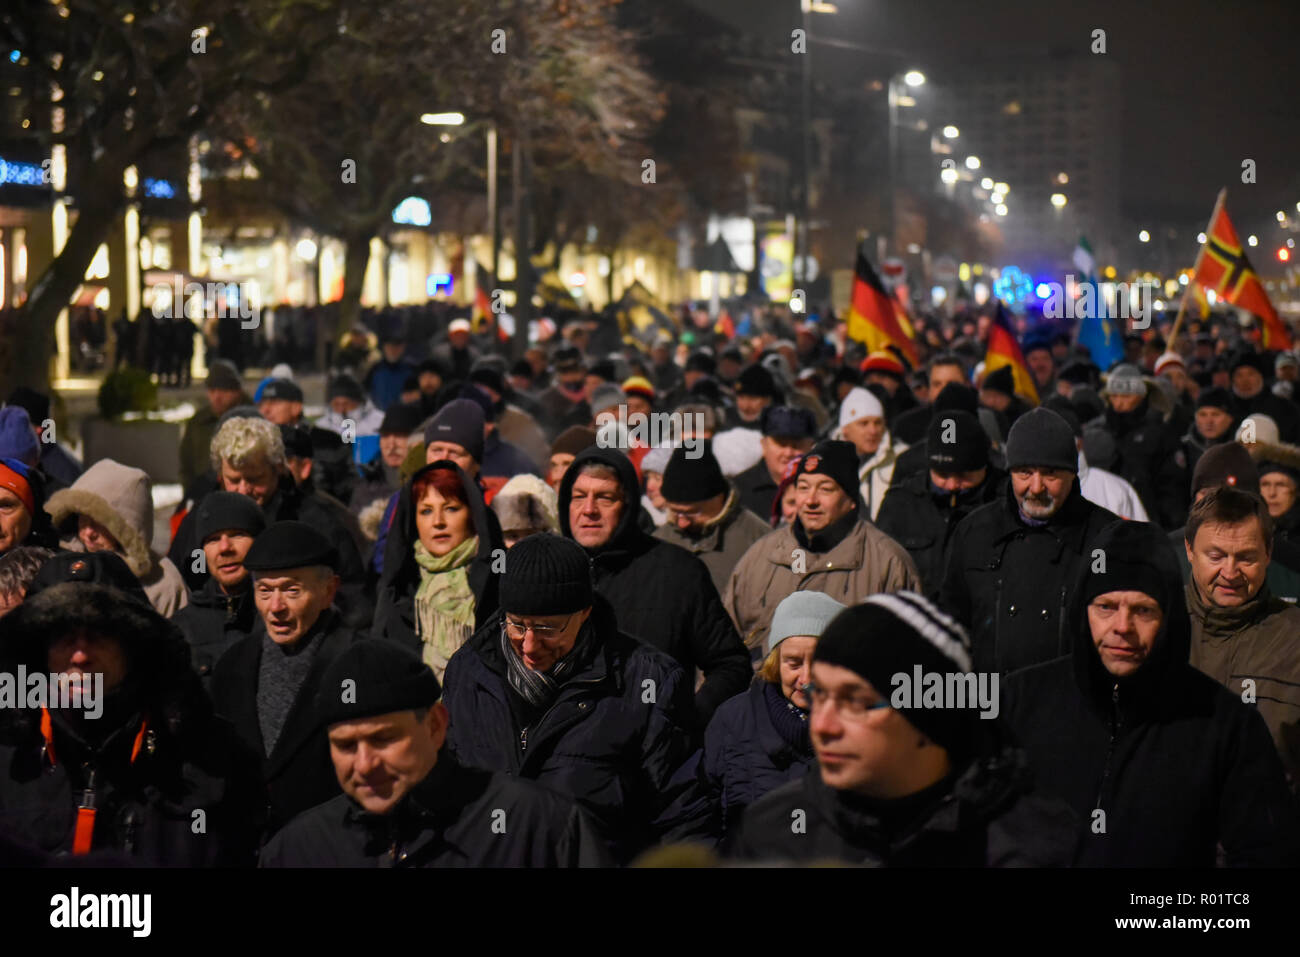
[1205, 83]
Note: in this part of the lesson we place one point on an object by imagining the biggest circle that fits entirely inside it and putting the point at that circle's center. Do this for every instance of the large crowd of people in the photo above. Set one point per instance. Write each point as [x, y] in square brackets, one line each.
[833, 607]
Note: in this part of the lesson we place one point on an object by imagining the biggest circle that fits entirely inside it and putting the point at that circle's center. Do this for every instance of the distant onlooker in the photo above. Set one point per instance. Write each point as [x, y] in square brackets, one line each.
[55, 460]
[18, 568]
[225, 392]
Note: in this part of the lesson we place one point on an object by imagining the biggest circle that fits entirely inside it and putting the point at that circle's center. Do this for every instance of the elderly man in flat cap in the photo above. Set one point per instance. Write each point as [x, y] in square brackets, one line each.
[406, 802]
[267, 683]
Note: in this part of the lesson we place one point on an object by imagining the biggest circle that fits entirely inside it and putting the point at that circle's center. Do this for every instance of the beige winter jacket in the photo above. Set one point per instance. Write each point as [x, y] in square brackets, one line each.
[121, 499]
[865, 563]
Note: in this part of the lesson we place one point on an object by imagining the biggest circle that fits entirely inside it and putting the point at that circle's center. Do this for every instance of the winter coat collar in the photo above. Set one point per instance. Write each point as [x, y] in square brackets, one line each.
[1220, 623]
[628, 539]
[714, 528]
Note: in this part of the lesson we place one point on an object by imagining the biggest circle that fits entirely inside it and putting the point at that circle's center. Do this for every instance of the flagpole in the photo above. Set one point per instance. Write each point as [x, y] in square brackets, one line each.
[1196, 267]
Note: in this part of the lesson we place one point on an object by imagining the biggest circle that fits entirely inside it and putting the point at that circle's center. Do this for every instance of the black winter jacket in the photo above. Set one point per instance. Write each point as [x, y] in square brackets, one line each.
[455, 817]
[395, 600]
[1008, 582]
[756, 490]
[213, 622]
[662, 594]
[924, 524]
[1147, 458]
[290, 503]
[1176, 764]
[298, 773]
[615, 738]
[745, 757]
[173, 784]
[980, 816]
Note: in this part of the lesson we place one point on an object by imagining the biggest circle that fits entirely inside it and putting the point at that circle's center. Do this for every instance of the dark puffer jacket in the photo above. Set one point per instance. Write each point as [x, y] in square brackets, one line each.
[173, 785]
[1147, 450]
[1008, 582]
[615, 737]
[914, 517]
[1176, 764]
[395, 604]
[213, 622]
[662, 594]
[445, 821]
[745, 756]
[981, 815]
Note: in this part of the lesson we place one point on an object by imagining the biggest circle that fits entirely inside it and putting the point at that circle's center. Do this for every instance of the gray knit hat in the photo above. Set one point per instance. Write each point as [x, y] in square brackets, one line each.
[802, 613]
[1125, 379]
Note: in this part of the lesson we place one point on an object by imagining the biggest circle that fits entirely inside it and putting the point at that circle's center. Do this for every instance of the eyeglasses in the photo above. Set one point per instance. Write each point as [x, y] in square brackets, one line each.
[517, 629]
[850, 705]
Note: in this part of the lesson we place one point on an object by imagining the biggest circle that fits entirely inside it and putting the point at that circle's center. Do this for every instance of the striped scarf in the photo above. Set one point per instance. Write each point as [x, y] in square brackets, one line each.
[539, 688]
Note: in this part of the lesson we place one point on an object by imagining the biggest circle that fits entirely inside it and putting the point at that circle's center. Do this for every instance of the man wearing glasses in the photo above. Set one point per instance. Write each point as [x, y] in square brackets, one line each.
[550, 690]
[906, 785]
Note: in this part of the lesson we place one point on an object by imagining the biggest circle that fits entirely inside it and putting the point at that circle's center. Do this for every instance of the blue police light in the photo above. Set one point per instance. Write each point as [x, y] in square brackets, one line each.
[1013, 285]
[439, 282]
[1043, 290]
[413, 211]
[15, 56]
[159, 189]
[21, 174]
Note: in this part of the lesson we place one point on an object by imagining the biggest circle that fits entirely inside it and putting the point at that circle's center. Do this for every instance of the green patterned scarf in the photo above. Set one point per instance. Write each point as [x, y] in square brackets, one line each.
[444, 602]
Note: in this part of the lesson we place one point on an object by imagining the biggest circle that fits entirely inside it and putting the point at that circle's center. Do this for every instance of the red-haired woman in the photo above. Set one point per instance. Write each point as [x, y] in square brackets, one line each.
[438, 585]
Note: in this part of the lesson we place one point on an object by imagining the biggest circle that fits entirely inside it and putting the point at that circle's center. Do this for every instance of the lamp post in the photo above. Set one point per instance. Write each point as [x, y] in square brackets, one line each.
[801, 237]
[912, 78]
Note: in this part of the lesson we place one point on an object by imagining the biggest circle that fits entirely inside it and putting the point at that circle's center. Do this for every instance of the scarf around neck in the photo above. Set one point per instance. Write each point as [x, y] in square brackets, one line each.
[444, 602]
[540, 688]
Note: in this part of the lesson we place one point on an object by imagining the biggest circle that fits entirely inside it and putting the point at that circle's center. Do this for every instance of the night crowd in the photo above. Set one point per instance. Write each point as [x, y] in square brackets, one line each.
[512, 633]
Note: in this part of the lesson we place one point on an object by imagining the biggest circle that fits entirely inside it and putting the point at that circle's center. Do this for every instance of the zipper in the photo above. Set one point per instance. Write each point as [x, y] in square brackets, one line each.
[523, 735]
[1110, 747]
[1061, 646]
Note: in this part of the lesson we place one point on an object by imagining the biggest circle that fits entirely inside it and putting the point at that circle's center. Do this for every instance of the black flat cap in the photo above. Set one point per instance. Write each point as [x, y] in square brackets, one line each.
[290, 545]
[788, 422]
[282, 389]
[402, 419]
[223, 510]
[91, 568]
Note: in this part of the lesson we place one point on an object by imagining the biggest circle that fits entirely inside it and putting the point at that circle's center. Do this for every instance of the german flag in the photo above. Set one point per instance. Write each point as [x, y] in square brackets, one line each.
[873, 318]
[1222, 265]
[1003, 350]
[482, 316]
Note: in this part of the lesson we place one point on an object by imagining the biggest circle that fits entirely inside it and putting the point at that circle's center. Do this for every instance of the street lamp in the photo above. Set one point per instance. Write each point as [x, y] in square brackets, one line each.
[914, 78]
[1200, 238]
[986, 183]
[1144, 236]
[1059, 200]
[1000, 209]
[897, 98]
[453, 118]
[949, 175]
[1253, 240]
[972, 162]
[443, 119]
[801, 236]
[951, 132]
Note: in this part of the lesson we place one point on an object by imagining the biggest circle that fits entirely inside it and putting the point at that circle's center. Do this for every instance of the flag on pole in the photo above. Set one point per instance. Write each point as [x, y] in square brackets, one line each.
[873, 318]
[1097, 331]
[1004, 350]
[1222, 265]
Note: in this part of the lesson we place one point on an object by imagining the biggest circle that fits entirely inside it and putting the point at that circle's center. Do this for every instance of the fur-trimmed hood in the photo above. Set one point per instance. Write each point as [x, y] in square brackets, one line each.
[121, 499]
[1278, 453]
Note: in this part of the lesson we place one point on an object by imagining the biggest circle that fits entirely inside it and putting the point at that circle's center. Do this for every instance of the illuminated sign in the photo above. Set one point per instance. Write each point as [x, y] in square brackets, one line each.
[413, 211]
[159, 189]
[439, 282]
[22, 174]
[1012, 285]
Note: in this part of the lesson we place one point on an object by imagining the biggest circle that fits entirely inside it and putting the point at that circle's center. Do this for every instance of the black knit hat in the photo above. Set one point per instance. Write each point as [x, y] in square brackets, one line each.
[290, 545]
[347, 387]
[700, 361]
[894, 634]
[223, 510]
[297, 441]
[1248, 357]
[1042, 438]
[1128, 551]
[956, 442]
[460, 421]
[401, 419]
[222, 374]
[787, 422]
[282, 389]
[370, 678]
[837, 459]
[955, 395]
[36, 403]
[756, 380]
[1215, 397]
[693, 475]
[91, 568]
[546, 575]
[1000, 380]
[1226, 464]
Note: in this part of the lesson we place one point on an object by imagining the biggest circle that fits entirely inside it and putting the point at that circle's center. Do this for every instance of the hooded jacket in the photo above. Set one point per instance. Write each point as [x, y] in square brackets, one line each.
[614, 739]
[395, 617]
[727, 536]
[440, 823]
[865, 562]
[662, 594]
[1168, 761]
[119, 498]
[1008, 582]
[1256, 642]
[981, 815]
[923, 523]
[158, 754]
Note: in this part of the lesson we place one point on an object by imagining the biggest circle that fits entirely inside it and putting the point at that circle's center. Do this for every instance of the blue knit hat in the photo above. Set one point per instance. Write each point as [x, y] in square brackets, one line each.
[803, 613]
[17, 440]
